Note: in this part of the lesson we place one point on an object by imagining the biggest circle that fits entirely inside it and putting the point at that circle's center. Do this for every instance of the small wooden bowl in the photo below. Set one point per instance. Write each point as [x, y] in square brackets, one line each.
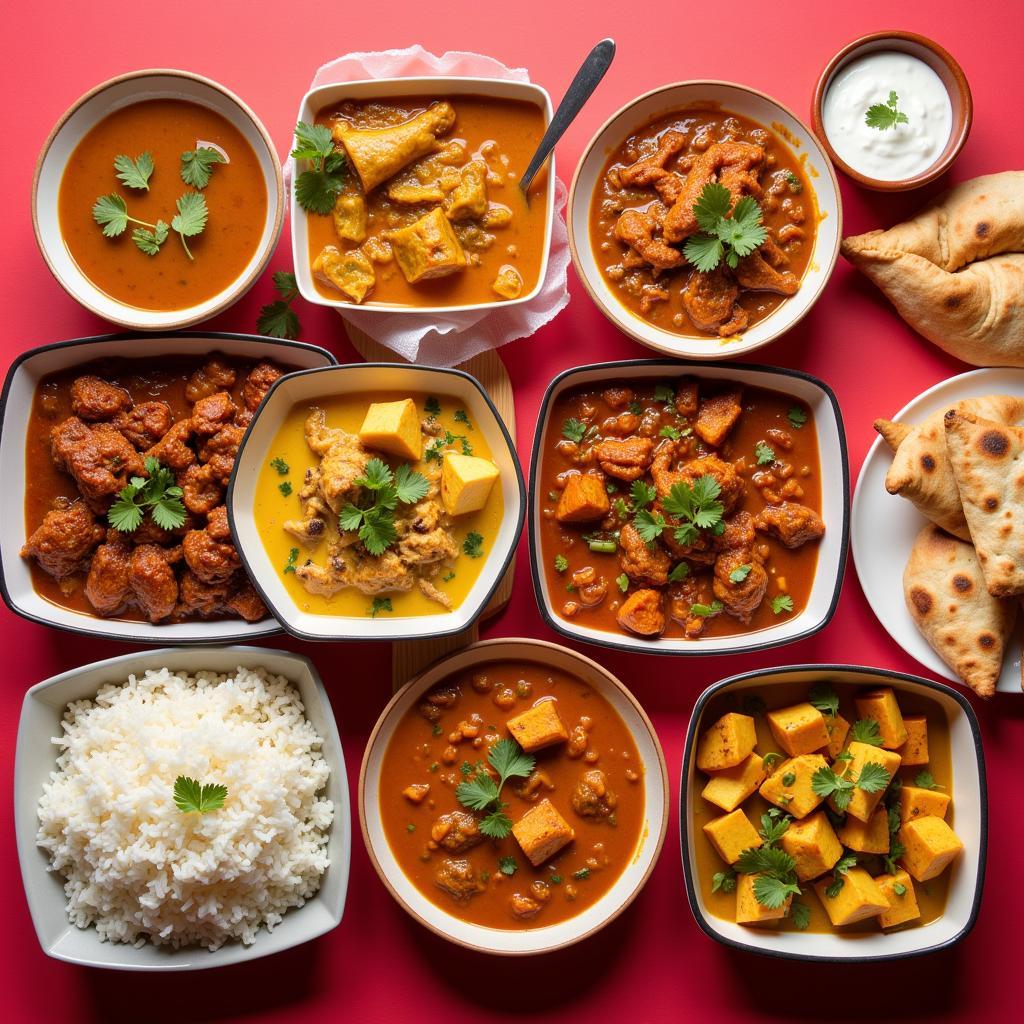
[941, 62]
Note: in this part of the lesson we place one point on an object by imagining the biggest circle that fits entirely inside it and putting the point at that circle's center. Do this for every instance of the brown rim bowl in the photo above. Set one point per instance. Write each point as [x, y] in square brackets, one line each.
[78, 120]
[544, 938]
[941, 62]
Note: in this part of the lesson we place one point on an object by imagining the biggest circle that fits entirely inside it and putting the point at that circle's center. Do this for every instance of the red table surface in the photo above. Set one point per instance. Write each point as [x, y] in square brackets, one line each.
[653, 963]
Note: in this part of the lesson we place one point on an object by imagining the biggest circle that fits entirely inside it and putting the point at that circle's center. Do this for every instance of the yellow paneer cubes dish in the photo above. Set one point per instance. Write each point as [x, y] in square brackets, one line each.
[393, 427]
[728, 742]
[466, 482]
[860, 851]
[538, 726]
[541, 832]
[428, 248]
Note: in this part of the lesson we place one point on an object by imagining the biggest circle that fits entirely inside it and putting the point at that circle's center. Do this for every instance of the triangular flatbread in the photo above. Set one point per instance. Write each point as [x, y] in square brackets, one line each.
[988, 462]
[945, 592]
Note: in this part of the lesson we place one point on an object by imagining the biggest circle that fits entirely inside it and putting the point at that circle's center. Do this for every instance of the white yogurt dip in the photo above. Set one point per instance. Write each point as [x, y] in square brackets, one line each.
[904, 150]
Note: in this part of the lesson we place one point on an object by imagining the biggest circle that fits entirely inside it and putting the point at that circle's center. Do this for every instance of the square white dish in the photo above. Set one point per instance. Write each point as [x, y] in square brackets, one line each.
[430, 88]
[970, 802]
[15, 409]
[835, 497]
[369, 378]
[36, 757]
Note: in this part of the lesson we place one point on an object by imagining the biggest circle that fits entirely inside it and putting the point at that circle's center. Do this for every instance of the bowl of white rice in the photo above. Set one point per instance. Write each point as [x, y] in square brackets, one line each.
[181, 809]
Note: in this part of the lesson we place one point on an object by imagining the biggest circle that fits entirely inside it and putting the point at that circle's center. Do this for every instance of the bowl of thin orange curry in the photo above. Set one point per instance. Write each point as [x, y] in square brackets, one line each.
[833, 812]
[157, 199]
[513, 797]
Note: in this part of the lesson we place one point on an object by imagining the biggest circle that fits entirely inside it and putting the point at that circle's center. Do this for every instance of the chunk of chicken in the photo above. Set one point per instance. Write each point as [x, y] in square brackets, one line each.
[469, 200]
[731, 484]
[343, 459]
[98, 457]
[350, 272]
[108, 585]
[740, 582]
[627, 458]
[202, 490]
[94, 399]
[380, 153]
[64, 541]
[244, 600]
[456, 877]
[642, 613]
[638, 230]
[209, 553]
[791, 523]
[212, 376]
[456, 831]
[257, 383]
[591, 798]
[756, 273]
[144, 424]
[687, 396]
[710, 302]
[212, 413]
[349, 215]
[172, 450]
[650, 170]
[153, 582]
[718, 415]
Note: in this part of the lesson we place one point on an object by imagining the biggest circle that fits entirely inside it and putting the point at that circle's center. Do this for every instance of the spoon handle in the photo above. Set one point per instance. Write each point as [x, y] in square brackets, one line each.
[586, 81]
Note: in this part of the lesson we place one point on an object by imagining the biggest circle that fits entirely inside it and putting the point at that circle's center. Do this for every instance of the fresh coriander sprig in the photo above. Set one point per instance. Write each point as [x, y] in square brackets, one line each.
[277, 319]
[826, 782]
[192, 798]
[190, 219]
[866, 730]
[482, 793]
[825, 699]
[197, 165]
[159, 494]
[696, 506]
[722, 236]
[885, 115]
[134, 173]
[374, 518]
[318, 186]
[847, 861]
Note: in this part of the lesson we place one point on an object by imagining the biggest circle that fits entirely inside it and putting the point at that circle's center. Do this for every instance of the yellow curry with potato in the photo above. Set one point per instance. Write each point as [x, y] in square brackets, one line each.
[414, 202]
[828, 812]
[382, 506]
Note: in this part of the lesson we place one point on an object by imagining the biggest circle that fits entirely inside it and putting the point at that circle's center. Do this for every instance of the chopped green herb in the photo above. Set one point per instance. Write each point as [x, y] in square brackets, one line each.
[797, 417]
[190, 220]
[159, 494]
[410, 827]
[722, 236]
[437, 730]
[789, 778]
[843, 865]
[462, 417]
[801, 915]
[900, 889]
[373, 519]
[280, 465]
[380, 604]
[740, 573]
[466, 768]
[623, 581]
[192, 798]
[724, 881]
[782, 603]
[555, 879]
[278, 319]
[764, 452]
[508, 866]
[865, 730]
[885, 115]
[432, 406]
[796, 186]
[293, 557]
[925, 780]
[134, 173]
[285, 489]
[582, 874]
[433, 767]
[573, 430]
[754, 705]
[197, 165]
[448, 577]
[706, 611]
[824, 698]
[664, 393]
[680, 572]
[771, 759]
[561, 563]
[873, 777]
[473, 545]
[673, 432]
[317, 187]
[482, 793]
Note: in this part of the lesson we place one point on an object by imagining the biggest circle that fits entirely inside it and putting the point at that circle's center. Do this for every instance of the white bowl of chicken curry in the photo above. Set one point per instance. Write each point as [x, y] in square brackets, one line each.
[406, 196]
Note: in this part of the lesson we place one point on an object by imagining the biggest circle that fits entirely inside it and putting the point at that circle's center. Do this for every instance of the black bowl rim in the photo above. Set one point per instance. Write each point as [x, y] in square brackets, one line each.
[678, 366]
[142, 336]
[293, 630]
[819, 669]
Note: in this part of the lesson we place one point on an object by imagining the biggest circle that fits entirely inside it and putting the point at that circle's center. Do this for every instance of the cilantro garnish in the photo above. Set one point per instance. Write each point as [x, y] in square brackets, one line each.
[740, 573]
[824, 698]
[285, 489]
[318, 186]
[721, 236]
[801, 915]
[847, 861]
[160, 494]
[280, 465]
[776, 874]
[672, 432]
[507, 866]
[190, 220]
[641, 494]
[197, 165]
[380, 604]
[885, 115]
[765, 453]
[680, 572]
[192, 798]
[706, 611]
[925, 780]
[473, 545]
[664, 393]
[865, 730]
[432, 406]
[561, 563]
[782, 603]
[134, 173]
[482, 793]
[573, 430]
[461, 417]
[797, 417]
[825, 782]
[724, 880]
[277, 319]
[582, 874]
[374, 517]
[293, 557]
[623, 582]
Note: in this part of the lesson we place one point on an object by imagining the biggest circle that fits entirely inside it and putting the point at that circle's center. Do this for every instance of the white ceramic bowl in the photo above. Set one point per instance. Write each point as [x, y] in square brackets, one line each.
[970, 802]
[514, 942]
[15, 409]
[123, 91]
[835, 501]
[738, 99]
[35, 759]
[885, 526]
[367, 378]
[430, 88]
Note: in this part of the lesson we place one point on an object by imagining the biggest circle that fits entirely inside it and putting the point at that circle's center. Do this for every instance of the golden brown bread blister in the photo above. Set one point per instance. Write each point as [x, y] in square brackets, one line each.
[946, 596]
[988, 462]
[955, 272]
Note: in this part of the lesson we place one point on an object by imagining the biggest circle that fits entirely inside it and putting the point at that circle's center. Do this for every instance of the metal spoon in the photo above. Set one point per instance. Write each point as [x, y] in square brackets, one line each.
[586, 81]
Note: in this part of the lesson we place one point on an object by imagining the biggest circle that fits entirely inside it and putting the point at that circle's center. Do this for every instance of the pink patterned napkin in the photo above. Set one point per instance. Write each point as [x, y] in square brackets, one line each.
[449, 340]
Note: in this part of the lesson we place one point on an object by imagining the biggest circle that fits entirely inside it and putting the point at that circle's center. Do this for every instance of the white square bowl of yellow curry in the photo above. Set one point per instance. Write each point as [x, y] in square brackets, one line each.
[406, 196]
[377, 501]
[833, 812]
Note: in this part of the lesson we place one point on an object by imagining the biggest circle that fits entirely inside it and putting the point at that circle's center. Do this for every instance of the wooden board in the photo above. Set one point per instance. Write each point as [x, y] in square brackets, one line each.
[408, 657]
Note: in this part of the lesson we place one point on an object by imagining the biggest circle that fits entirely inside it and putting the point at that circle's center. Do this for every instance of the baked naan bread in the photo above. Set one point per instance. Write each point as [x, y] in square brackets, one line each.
[945, 592]
[920, 470]
[955, 272]
[988, 462]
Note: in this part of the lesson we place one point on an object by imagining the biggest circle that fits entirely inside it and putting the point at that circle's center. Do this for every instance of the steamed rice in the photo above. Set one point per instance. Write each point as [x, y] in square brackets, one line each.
[139, 869]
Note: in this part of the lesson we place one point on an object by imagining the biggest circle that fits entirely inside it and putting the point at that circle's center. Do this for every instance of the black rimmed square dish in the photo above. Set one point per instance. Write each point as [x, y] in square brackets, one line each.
[810, 401]
[962, 758]
[16, 406]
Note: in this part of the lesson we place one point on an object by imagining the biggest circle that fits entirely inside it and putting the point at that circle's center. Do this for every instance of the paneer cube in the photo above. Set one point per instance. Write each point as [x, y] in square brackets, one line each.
[862, 803]
[541, 832]
[730, 740]
[428, 248]
[916, 802]
[509, 282]
[813, 844]
[583, 499]
[789, 786]
[350, 272]
[468, 201]
[729, 788]
[718, 414]
[929, 846]
[393, 427]
[915, 750]
[859, 898]
[466, 482]
[749, 911]
[539, 726]
[881, 705]
[731, 834]
[799, 729]
[899, 891]
[871, 836]
[838, 728]
[350, 217]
